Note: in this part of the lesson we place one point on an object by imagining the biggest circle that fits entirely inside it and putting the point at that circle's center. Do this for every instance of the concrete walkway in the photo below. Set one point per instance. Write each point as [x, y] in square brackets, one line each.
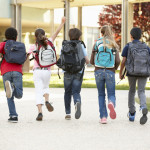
[56, 133]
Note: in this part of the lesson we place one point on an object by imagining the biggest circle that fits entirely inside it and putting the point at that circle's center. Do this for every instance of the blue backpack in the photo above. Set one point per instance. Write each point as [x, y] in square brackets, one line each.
[105, 57]
[15, 52]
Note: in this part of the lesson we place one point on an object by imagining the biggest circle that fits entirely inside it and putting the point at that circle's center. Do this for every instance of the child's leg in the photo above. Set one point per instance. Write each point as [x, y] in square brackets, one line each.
[68, 91]
[110, 85]
[46, 80]
[37, 77]
[10, 101]
[17, 84]
[131, 94]
[141, 91]
[76, 87]
[142, 97]
[100, 83]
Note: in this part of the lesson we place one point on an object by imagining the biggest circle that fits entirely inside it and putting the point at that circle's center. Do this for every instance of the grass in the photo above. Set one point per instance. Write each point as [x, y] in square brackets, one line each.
[147, 102]
[88, 81]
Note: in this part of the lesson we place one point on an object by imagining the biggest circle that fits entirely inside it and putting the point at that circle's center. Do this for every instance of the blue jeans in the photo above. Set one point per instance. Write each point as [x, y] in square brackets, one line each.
[72, 85]
[102, 77]
[15, 79]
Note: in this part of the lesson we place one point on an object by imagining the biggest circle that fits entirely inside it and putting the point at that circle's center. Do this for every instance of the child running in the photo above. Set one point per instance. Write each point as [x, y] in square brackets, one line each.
[72, 77]
[136, 60]
[105, 58]
[41, 76]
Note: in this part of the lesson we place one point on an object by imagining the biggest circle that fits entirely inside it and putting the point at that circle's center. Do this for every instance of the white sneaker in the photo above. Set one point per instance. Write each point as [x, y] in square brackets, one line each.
[8, 89]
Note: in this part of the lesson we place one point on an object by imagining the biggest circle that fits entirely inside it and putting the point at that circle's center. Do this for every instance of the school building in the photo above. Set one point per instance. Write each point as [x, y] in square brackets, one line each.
[28, 15]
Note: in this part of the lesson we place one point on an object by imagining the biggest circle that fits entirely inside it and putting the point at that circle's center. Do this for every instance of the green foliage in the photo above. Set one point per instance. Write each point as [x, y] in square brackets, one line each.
[88, 81]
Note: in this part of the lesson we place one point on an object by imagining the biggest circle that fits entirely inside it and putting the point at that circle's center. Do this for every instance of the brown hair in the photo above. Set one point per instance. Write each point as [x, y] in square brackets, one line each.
[41, 39]
[74, 34]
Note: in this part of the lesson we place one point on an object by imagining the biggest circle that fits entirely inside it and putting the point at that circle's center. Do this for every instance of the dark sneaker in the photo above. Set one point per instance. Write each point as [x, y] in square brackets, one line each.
[131, 116]
[77, 110]
[39, 117]
[8, 89]
[144, 118]
[112, 110]
[49, 106]
[13, 119]
[68, 117]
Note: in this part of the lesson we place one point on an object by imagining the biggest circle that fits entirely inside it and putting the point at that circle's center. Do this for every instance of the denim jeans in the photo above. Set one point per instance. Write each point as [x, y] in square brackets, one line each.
[72, 85]
[15, 79]
[102, 77]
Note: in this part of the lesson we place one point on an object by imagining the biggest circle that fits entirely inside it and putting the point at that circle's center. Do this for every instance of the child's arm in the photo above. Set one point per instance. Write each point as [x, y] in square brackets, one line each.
[63, 20]
[122, 67]
[92, 56]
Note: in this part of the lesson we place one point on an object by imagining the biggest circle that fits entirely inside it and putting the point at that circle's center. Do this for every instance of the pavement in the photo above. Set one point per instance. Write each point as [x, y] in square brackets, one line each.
[86, 133]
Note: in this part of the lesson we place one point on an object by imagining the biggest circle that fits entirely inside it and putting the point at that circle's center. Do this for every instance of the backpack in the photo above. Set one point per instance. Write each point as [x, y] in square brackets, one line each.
[105, 57]
[15, 52]
[72, 59]
[138, 59]
[46, 57]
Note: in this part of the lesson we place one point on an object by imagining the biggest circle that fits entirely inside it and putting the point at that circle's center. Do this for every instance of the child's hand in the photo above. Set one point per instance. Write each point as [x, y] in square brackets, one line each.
[63, 20]
[121, 76]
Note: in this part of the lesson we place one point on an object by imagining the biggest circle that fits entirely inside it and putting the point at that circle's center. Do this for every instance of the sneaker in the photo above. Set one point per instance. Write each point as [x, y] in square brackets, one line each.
[8, 89]
[103, 121]
[39, 117]
[131, 116]
[13, 119]
[112, 110]
[49, 106]
[68, 117]
[144, 118]
[77, 110]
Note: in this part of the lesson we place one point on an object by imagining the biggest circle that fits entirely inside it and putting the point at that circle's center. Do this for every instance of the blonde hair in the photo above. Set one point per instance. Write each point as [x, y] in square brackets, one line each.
[108, 38]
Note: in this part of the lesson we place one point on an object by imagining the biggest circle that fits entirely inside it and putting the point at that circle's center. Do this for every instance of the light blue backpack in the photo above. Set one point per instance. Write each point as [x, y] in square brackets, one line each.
[105, 57]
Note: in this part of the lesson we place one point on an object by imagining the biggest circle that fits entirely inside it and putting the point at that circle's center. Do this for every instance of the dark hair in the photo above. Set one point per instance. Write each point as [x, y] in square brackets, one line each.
[74, 34]
[40, 37]
[11, 34]
[136, 33]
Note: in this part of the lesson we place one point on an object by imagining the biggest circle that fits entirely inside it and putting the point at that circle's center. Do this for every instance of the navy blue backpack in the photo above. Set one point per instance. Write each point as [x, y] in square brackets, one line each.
[15, 52]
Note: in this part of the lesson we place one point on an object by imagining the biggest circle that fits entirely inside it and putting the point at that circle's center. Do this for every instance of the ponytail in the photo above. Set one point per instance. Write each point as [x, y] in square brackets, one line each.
[41, 39]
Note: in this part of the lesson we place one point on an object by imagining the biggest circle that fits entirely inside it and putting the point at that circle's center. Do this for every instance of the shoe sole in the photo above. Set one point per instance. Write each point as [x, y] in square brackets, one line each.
[78, 111]
[144, 118]
[8, 89]
[68, 118]
[39, 118]
[49, 107]
[13, 121]
[103, 122]
[112, 111]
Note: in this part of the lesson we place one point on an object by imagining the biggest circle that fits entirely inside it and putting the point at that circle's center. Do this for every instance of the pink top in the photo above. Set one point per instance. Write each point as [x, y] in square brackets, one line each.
[31, 49]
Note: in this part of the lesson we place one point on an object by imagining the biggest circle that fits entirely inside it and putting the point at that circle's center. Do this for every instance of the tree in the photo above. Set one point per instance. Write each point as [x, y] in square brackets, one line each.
[111, 15]
[142, 19]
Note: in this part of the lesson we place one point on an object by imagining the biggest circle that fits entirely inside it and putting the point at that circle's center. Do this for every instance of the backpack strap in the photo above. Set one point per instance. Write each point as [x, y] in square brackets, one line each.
[83, 44]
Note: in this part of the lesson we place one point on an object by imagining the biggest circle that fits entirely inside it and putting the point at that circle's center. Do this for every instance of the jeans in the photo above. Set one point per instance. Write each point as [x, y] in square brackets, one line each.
[72, 85]
[15, 79]
[141, 81]
[102, 77]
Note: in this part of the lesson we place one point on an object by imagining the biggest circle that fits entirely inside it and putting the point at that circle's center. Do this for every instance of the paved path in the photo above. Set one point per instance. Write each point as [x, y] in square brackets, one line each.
[56, 133]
